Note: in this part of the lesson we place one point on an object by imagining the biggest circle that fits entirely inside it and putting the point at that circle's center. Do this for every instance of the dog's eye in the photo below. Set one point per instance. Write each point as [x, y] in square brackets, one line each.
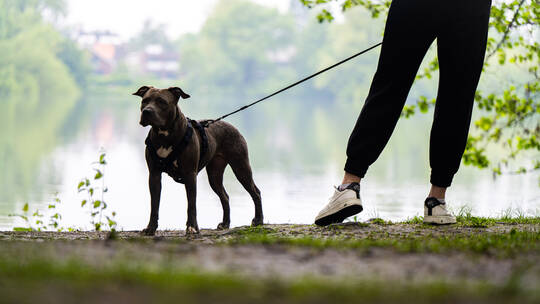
[161, 101]
[145, 101]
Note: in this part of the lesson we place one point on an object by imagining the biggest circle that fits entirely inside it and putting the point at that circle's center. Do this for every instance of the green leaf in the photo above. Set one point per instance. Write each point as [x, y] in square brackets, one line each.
[80, 185]
[102, 159]
[98, 174]
[21, 229]
[83, 202]
[97, 203]
[25, 207]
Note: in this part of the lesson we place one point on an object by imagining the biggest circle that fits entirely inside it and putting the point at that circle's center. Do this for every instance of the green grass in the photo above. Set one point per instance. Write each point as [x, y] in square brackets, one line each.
[466, 219]
[380, 221]
[73, 281]
[498, 244]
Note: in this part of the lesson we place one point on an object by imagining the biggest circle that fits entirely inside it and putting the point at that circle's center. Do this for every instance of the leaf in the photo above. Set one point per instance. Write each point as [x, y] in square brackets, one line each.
[98, 174]
[91, 191]
[80, 185]
[21, 229]
[25, 207]
[51, 206]
[83, 203]
[97, 203]
[102, 159]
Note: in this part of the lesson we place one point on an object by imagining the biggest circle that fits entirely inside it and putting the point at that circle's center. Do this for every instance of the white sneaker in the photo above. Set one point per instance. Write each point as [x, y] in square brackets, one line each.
[435, 212]
[341, 205]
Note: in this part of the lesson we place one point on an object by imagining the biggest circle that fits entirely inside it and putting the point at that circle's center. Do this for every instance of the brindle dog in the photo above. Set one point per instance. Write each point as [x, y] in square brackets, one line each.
[180, 152]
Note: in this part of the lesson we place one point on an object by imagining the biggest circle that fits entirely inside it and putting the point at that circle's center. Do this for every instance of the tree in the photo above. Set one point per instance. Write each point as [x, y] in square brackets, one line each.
[37, 90]
[509, 121]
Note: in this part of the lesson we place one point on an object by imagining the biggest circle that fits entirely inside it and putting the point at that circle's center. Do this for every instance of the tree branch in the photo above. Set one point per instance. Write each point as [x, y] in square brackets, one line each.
[505, 35]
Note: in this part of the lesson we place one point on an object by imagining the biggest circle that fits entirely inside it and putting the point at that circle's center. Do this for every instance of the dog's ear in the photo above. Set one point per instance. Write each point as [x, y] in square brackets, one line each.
[177, 92]
[141, 91]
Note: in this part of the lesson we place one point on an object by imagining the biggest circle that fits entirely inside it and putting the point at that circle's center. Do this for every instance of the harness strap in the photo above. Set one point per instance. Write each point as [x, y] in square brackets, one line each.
[204, 145]
[164, 163]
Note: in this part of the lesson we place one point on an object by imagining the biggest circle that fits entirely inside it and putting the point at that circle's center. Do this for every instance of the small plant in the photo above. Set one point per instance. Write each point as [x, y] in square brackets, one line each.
[35, 221]
[95, 199]
[380, 221]
[415, 220]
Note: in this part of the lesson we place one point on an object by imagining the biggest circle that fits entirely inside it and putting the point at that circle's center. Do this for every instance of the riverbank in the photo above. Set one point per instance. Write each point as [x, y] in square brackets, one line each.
[478, 260]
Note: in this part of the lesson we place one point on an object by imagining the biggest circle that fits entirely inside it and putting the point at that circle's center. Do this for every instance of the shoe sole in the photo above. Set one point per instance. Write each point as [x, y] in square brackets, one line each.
[339, 216]
[439, 220]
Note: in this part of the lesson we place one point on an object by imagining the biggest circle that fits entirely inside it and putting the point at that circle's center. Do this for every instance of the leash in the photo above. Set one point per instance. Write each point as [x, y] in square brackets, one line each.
[292, 85]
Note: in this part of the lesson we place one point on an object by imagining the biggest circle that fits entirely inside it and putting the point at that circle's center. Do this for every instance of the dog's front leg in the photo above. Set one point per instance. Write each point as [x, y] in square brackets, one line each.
[154, 182]
[191, 190]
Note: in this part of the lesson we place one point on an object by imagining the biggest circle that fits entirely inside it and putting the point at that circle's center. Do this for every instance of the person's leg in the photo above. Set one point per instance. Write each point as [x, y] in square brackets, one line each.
[461, 45]
[461, 48]
[410, 30]
[408, 34]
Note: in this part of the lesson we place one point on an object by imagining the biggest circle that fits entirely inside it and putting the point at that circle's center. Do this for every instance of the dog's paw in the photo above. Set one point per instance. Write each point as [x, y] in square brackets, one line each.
[149, 231]
[192, 230]
[257, 222]
[223, 226]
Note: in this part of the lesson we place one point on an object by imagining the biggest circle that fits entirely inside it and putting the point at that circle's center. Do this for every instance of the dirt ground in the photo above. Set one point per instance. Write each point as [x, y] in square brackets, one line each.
[241, 251]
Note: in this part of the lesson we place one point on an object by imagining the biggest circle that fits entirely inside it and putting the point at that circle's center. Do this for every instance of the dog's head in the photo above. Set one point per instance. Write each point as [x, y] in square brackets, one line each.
[159, 106]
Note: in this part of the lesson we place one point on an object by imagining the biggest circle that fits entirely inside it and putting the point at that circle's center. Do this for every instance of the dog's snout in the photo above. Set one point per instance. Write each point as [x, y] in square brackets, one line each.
[147, 112]
[146, 116]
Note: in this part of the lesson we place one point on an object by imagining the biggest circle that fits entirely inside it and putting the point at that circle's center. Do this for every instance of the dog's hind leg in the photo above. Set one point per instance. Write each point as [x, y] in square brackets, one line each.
[215, 169]
[242, 171]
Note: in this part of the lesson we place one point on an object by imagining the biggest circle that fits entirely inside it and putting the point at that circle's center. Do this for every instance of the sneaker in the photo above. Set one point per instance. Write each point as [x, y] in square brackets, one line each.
[342, 204]
[435, 212]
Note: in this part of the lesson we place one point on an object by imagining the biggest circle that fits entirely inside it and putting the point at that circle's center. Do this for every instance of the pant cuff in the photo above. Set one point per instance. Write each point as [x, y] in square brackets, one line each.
[441, 179]
[351, 168]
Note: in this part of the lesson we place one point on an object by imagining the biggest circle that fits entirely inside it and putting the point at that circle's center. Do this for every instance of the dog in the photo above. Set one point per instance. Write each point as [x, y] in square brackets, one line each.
[182, 147]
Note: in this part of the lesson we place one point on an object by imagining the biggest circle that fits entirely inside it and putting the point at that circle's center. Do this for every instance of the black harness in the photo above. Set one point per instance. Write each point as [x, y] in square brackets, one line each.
[166, 164]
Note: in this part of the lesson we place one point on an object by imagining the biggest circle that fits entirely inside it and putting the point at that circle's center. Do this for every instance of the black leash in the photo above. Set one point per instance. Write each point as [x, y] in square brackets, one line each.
[294, 84]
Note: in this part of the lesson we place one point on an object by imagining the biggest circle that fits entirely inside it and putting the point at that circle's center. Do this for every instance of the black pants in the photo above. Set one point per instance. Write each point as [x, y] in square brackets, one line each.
[460, 27]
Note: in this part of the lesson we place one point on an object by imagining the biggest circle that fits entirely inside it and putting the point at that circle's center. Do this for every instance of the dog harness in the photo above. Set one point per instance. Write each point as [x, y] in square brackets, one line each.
[166, 164]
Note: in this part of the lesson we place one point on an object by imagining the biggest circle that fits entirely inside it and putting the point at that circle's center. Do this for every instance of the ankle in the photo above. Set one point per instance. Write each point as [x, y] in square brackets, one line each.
[349, 178]
[437, 192]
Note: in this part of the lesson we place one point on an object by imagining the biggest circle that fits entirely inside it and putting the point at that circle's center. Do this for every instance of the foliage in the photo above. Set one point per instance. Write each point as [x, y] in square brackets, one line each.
[35, 221]
[97, 206]
[509, 112]
[37, 89]
[150, 34]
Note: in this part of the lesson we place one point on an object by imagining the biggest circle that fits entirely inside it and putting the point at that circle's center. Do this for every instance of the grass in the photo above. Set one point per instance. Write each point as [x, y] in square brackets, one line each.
[466, 219]
[498, 244]
[73, 281]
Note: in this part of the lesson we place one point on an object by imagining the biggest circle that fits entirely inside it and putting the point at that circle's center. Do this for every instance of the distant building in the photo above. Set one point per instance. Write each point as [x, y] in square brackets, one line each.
[102, 46]
[107, 52]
